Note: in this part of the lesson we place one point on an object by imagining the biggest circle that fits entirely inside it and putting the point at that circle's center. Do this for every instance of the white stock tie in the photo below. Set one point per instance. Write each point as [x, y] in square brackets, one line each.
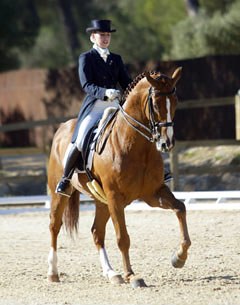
[104, 54]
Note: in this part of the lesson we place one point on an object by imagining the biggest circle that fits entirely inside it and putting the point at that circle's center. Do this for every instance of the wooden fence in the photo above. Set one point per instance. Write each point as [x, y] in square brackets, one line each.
[174, 164]
[183, 145]
[201, 103]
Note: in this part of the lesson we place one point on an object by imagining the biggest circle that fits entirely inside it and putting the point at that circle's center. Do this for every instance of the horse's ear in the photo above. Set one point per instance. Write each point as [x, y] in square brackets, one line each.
[176, 75]
[150, 79]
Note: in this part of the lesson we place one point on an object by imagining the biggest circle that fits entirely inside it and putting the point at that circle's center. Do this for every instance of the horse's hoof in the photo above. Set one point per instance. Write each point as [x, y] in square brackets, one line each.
[54, 278]
[137, 282]
[116, 279]
[177, 262]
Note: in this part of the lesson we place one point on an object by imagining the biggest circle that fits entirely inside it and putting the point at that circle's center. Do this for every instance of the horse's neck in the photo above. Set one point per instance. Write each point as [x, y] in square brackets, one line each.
[135, 105]
[128, 138]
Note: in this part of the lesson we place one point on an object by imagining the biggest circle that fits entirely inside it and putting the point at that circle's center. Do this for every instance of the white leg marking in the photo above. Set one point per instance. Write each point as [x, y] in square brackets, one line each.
[52, 262]
[169, 129]
[107, 269]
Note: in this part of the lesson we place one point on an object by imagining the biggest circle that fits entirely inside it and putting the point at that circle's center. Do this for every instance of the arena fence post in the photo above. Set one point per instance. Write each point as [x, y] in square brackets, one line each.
[174, 167]
[237, 115]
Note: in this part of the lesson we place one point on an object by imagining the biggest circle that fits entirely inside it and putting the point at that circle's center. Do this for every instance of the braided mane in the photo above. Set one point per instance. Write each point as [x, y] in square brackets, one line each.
[133, 84]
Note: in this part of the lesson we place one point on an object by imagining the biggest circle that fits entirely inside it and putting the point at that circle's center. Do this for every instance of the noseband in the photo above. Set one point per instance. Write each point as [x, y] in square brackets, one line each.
[154, 125]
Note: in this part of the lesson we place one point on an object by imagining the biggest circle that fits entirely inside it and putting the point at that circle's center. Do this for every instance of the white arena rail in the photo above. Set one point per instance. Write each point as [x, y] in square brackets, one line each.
[218, 196]
[24, 200]
[32, 200]
[201, 200]
[193, 200]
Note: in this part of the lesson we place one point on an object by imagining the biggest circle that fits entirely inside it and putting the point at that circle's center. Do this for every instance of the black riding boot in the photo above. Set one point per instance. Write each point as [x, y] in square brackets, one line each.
[70, 165]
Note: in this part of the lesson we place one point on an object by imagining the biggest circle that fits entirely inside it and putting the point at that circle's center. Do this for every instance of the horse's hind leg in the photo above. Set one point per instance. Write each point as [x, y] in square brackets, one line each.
[58, 204]
[98, 230]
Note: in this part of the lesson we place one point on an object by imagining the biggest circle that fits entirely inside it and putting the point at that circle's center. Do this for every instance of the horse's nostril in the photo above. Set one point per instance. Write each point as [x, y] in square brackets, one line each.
[164, 147]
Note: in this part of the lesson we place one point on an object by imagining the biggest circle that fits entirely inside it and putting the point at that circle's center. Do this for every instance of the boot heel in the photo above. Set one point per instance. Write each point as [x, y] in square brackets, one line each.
[62, 187]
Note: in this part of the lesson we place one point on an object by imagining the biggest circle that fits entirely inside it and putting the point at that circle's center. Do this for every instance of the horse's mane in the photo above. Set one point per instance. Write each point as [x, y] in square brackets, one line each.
[135, 81]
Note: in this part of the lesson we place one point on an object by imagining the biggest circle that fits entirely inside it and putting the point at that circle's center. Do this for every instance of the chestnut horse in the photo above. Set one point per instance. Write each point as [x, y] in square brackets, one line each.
[129, 167]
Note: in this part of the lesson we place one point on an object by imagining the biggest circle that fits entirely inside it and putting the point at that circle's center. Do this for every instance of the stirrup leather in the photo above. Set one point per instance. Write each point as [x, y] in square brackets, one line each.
[97, 191]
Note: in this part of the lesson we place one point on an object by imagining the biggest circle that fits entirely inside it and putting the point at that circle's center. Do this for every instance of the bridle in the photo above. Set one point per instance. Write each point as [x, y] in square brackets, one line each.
[154, 126]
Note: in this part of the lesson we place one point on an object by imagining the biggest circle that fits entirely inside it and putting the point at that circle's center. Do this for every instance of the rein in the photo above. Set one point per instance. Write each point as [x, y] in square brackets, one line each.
[153, 130]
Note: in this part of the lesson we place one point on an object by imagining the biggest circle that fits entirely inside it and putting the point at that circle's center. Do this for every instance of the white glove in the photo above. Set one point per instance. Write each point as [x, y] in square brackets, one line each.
[112, 94]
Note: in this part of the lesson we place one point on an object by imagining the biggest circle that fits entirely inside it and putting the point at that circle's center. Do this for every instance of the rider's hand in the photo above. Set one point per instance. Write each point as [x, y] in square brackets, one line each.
[112, 94]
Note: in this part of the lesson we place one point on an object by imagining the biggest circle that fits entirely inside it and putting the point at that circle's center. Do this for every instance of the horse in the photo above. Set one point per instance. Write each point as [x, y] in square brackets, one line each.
[129, 167]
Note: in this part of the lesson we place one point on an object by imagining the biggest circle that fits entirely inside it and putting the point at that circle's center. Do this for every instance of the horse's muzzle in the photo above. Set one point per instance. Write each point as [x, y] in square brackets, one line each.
[162, 146]
[165, 146]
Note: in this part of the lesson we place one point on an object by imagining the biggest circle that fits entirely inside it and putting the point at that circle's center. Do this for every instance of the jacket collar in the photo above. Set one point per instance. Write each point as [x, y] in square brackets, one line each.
[102, 52]
[109, 58]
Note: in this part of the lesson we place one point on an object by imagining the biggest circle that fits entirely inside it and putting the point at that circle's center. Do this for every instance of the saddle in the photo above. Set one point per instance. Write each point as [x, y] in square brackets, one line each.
[91, 140]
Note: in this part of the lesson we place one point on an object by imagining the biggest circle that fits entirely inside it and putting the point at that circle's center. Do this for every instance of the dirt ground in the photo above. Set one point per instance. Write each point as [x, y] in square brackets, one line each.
[210, 276]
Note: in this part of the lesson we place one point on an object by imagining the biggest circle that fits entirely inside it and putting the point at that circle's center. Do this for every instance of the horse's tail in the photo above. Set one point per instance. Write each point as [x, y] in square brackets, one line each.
[71, 214]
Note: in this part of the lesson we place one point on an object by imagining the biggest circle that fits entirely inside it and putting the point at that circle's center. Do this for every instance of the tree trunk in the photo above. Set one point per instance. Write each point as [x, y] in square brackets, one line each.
[192, 7]
[69, 26]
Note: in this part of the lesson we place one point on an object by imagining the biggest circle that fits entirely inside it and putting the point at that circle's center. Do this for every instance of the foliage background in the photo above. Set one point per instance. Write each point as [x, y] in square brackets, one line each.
[51, 34]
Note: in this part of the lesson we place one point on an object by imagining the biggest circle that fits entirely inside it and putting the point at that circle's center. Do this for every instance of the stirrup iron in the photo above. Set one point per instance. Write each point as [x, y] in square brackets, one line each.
[97, 191]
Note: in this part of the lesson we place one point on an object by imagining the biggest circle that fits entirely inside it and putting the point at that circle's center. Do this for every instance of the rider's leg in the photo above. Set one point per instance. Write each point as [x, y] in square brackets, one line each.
[69, 168]
[75, 151]
[90, 120]
[167, 177]
[73, 155]
[167, 173]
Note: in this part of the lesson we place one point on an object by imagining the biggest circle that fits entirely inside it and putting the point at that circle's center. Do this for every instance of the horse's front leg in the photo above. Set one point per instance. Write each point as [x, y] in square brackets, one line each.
[98, 230]
[123, 241]
[165, 199]
[180, 256]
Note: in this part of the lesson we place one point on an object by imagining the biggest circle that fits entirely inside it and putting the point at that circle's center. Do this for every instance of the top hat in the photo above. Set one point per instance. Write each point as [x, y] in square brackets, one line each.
[101, 25]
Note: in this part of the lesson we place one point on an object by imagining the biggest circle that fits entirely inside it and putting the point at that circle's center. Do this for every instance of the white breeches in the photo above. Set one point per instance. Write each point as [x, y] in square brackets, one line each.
[89, 121]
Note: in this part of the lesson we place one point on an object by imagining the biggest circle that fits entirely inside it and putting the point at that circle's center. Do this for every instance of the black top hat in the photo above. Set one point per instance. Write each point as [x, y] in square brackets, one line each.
[101, 25]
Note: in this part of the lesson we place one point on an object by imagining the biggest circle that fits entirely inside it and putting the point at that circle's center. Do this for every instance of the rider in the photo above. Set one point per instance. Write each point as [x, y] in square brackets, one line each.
[100, 71]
